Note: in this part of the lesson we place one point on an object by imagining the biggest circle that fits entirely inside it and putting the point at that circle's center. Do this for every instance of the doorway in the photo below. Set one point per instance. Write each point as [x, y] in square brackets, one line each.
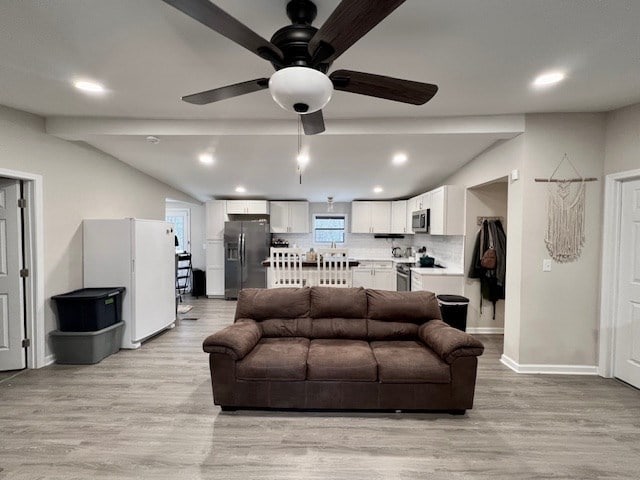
[620, 291]
[486, 201]
[181, 220]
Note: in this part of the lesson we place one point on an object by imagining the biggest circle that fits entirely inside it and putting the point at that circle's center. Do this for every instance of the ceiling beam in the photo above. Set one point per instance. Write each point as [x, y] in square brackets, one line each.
[81, 128]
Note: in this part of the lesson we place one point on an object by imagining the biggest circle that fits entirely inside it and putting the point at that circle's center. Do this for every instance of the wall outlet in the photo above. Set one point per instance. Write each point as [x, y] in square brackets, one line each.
[546, 265]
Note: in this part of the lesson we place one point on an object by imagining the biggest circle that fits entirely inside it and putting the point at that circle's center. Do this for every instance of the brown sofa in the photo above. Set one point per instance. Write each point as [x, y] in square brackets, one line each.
[333, 348]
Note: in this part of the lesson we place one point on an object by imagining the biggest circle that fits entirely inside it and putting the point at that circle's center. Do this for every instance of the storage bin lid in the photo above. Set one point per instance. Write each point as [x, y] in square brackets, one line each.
[452, 299]
[90, 293]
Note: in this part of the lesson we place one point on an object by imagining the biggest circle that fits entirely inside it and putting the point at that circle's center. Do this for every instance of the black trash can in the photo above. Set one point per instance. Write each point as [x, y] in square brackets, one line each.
[89, 309]
[199, 287]
[454, 310]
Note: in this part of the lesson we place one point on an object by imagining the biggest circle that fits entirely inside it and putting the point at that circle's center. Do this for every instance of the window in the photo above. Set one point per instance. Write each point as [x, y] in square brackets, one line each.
[329, 228]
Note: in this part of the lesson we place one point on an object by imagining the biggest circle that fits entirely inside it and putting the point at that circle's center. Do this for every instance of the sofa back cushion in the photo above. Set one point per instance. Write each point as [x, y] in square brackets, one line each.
[410, 307]
[348, 328]
[286, 327]
[327, 302]
[381, 330]
[280, 303]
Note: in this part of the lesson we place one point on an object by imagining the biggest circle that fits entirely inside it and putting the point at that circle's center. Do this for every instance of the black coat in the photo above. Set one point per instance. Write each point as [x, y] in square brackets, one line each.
[492, 281]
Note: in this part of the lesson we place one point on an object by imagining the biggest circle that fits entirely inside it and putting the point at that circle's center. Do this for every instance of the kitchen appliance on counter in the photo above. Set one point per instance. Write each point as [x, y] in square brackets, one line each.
[396, 252]
[420, 221]
[246, 245]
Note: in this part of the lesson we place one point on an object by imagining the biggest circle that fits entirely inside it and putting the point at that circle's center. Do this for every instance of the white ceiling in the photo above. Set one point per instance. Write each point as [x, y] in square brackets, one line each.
[482, 54]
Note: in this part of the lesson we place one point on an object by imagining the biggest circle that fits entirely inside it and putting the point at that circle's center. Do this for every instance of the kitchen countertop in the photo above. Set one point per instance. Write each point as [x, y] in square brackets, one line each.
[384, 259]
[438, 271]
[305, 264]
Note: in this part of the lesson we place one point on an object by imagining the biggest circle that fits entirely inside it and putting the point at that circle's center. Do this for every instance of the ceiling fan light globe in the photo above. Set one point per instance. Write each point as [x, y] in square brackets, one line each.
[293, 87]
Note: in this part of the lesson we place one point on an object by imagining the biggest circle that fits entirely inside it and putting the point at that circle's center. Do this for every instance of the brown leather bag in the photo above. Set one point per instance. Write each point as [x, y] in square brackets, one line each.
[489, 259]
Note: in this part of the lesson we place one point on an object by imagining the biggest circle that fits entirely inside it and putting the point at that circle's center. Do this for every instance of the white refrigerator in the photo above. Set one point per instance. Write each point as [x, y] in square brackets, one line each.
[140, 256]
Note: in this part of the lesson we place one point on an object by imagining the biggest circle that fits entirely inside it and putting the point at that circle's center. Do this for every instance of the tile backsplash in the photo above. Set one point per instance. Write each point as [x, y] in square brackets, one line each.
[448, 250]
[359, 244]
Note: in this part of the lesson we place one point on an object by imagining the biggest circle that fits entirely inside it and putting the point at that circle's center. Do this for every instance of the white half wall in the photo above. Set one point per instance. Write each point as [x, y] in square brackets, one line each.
[79, 182]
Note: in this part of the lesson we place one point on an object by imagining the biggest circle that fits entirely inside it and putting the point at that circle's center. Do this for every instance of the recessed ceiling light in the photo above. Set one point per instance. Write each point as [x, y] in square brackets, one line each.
[399, 158]
[303, 160]
[378, 189]
[549, 78]
[240, 189]
[205, 158]
[88, 86]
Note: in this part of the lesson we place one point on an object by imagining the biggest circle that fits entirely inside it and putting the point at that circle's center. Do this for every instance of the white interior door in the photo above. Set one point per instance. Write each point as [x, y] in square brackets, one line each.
[11, 298]
[627, 324]
[181, 221]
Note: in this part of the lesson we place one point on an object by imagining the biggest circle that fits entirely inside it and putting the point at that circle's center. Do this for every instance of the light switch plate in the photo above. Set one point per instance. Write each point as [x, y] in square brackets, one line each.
[515, 175]
[546, 265]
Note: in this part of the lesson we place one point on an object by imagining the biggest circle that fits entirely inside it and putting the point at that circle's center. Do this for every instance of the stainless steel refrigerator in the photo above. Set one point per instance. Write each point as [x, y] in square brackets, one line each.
[246, 246]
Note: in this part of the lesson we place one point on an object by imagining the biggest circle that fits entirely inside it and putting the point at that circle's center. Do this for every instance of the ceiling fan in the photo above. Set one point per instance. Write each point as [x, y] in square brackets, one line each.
[302, 55]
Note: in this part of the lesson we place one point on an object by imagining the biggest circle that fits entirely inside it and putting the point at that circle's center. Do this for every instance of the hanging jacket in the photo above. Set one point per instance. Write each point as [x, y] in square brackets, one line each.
[492, 281]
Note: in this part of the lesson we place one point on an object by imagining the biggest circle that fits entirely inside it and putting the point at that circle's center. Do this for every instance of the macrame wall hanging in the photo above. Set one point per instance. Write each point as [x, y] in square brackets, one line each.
[564, 237]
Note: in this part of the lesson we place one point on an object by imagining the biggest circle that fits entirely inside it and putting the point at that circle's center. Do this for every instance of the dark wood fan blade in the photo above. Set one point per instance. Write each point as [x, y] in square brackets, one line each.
[229, 91]
[350, 21]
[217, 19]
[313, 123]
[389, 88]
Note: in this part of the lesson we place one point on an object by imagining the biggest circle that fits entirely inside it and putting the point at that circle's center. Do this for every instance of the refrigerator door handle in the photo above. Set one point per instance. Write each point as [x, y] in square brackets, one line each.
[243, 248]
[240, 248]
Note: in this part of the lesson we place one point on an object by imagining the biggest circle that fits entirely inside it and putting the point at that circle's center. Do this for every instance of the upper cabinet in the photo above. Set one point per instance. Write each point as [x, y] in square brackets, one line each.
[215, 218]
[255, 207]
[370, 217]
[399, 217]
[289, 217]
[447, 211]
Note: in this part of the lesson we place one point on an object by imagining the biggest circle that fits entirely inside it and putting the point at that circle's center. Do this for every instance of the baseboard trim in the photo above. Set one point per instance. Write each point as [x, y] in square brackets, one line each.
[486, 330]
[49, 359]
[549, 369]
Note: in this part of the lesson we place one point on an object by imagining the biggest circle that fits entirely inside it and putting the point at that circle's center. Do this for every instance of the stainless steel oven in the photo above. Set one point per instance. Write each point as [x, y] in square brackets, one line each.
[403, 274]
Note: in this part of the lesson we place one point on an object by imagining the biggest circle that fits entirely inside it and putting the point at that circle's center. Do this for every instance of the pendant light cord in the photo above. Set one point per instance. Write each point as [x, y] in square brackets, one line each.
[299, 147]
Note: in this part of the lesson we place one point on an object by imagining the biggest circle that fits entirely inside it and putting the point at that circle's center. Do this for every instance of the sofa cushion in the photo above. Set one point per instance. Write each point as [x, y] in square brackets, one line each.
[341, 360]
[413, 307]
[286, 327]
[262, 303]
[379, 330]
[283, 359]
[409, 362]
[354, 328]
[327, 302]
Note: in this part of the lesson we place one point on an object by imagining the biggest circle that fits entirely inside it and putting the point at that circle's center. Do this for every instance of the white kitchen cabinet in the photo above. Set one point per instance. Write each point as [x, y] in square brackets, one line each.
[438, 284]
[423, 201]
[215, 218]
[254, 207]
[378, 275]
[215, 268]
[370, 217]
[411, 207]
[399, 217]
[289, 217]
[447, 211]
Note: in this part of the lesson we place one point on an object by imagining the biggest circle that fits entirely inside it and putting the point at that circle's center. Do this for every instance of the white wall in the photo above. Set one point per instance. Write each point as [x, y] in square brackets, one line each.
[197, 233]
[559, 310]
[495, 163]
[79, 182]
[622, 150]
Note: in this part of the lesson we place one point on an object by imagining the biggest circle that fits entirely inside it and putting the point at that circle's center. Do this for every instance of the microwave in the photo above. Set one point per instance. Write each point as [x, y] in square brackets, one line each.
[420, 221]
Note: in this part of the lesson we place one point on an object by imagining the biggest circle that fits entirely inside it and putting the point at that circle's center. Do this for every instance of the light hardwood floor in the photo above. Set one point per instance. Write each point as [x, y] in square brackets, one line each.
[149, 414]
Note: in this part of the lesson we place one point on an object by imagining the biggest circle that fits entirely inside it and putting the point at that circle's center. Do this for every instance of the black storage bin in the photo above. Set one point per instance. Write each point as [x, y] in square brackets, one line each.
[454, 310]
[89, 309]
[199, 286]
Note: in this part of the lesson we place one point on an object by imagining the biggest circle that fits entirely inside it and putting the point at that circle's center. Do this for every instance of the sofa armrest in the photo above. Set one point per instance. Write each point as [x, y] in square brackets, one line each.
[236, 340]
[448, 342]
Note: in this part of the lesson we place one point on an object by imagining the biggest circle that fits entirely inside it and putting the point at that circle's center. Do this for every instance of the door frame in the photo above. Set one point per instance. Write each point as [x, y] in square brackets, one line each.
[34, 261]
[609, 267]
[177, 211]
